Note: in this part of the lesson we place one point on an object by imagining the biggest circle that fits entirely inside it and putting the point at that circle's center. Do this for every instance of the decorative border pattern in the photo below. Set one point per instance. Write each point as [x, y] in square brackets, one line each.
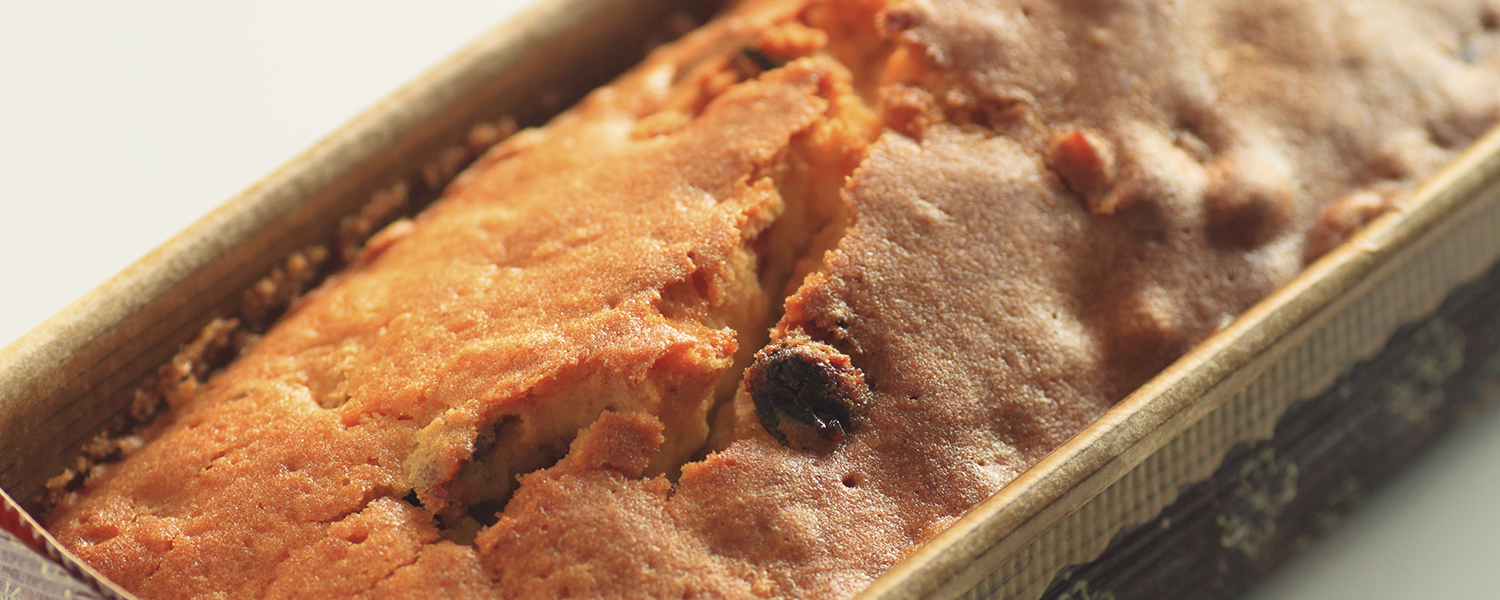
[1272, 499]
[24, 573]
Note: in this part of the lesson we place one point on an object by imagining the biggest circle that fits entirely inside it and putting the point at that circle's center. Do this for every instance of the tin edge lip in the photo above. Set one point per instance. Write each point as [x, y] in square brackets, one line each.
[1151, 416]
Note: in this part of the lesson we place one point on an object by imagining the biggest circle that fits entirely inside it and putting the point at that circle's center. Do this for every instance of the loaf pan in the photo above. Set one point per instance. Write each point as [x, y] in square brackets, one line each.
[1384, 344]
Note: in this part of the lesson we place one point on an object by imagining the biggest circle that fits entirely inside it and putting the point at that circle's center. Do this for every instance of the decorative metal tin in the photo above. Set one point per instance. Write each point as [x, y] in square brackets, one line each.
[1192, 442]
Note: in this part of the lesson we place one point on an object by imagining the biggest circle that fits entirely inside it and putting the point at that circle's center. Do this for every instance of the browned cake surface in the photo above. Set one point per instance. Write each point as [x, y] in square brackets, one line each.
[1030, 207]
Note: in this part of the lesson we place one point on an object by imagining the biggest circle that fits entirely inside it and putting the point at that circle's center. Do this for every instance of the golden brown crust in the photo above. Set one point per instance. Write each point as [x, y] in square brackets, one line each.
[1065, 197]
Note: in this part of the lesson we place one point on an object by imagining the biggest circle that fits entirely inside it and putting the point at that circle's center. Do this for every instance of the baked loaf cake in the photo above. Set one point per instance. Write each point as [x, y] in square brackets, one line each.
[788, 298]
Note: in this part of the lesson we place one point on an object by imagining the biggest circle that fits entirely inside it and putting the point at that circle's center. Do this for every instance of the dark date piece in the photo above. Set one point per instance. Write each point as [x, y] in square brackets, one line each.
[807, 394]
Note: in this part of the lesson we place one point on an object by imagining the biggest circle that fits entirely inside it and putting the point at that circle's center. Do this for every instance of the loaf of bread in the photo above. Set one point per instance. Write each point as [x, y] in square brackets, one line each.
[788, 298]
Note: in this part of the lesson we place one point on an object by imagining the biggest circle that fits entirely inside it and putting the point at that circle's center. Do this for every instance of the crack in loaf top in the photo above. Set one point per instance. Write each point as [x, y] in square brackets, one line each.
[1059, 199]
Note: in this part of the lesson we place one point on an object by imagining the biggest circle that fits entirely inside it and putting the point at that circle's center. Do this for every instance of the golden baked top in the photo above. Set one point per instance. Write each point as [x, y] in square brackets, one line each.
[974, 226]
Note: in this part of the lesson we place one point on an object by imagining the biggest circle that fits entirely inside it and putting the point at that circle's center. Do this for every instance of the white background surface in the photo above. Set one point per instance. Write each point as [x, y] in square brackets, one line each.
[120, 123]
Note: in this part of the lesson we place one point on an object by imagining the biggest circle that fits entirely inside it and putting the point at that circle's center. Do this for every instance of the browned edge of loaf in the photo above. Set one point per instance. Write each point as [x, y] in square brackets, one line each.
[1165, 406]
[71, 390]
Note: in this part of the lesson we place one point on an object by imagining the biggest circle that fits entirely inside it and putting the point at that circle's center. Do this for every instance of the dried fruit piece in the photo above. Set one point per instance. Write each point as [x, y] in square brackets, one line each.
[1085, 162]
[1341, 220]
[807, 394]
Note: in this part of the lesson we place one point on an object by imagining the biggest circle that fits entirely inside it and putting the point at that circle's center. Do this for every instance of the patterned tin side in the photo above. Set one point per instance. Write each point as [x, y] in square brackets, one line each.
[1272, 499]
[26, 573]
